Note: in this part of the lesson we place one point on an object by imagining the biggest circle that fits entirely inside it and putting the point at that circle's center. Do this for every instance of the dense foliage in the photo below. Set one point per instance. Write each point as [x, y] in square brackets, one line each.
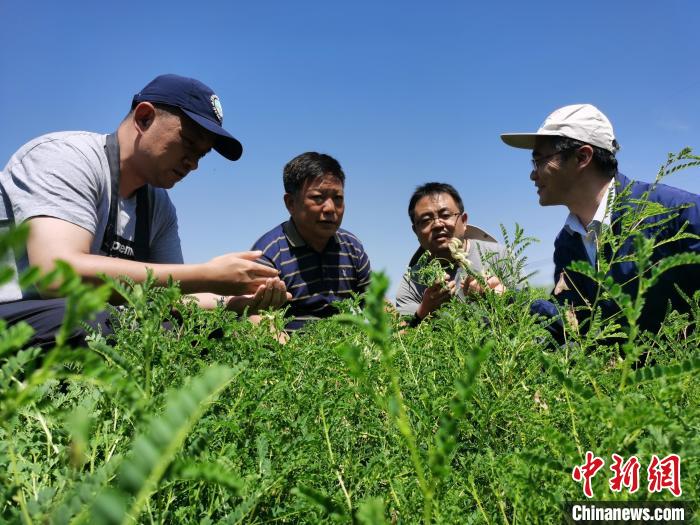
[468, 418]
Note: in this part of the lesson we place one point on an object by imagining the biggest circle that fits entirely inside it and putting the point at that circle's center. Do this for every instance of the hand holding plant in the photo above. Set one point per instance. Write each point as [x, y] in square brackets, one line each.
[472, 285]
[435, 296]
[473, 282]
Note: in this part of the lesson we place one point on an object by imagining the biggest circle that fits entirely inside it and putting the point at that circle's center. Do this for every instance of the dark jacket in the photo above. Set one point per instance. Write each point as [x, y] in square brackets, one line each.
[581, 290]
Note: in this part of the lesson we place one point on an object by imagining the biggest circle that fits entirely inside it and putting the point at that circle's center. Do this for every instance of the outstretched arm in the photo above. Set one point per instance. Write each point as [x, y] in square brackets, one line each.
[230, 274]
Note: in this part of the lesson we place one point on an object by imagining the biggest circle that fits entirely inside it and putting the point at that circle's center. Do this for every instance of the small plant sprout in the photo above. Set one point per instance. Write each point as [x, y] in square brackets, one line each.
[429, 271]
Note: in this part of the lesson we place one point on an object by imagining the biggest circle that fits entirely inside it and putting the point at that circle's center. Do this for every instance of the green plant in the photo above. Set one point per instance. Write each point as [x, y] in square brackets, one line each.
[187, 416]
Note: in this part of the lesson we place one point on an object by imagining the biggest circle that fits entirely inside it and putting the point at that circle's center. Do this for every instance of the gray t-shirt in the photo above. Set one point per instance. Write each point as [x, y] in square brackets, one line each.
[410, 293]
[66, 175]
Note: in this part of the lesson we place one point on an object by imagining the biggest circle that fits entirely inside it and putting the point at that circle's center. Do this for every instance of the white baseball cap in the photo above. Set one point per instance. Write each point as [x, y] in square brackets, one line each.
[582, 122]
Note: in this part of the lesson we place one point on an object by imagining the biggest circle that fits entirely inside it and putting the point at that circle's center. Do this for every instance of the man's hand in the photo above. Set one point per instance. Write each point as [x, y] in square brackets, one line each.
[471, 285]
[434, 296]
[272, 294]
[238, 273]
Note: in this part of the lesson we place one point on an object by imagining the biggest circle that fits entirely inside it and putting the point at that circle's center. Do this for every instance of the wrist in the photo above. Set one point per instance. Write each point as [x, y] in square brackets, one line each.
[415, 320]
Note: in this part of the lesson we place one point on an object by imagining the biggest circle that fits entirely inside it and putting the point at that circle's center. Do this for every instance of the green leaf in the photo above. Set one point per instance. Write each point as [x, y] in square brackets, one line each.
[154, 450]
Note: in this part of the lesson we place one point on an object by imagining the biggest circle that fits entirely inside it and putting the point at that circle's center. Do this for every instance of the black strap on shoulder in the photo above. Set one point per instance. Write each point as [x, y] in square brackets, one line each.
[112, 151]
[143, 224]
[111, 244]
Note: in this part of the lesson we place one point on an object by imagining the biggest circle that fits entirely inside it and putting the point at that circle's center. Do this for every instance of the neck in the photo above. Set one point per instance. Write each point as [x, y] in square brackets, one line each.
[589, 194]
[317, 246]
[129, 181]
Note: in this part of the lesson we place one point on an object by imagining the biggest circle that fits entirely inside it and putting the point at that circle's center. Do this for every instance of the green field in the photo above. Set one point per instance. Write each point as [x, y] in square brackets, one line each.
[472, 417]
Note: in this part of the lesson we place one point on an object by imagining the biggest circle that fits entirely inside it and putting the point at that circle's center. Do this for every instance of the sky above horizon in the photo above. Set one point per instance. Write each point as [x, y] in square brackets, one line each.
[401, 93]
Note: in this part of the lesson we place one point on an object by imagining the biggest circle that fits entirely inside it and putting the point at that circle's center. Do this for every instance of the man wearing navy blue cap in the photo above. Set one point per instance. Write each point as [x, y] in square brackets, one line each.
[99, 203]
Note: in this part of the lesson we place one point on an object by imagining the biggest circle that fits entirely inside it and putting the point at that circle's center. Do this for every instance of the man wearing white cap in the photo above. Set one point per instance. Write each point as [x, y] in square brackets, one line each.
[574, 164]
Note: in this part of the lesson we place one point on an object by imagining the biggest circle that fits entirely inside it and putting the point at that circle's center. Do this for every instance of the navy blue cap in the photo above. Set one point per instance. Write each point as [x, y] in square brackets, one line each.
[197, 101]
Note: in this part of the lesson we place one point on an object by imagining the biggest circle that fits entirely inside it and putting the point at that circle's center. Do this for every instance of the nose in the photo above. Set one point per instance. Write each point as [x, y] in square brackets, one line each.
[191, 163]
[439, 223]
[328, 206]
[533, 174]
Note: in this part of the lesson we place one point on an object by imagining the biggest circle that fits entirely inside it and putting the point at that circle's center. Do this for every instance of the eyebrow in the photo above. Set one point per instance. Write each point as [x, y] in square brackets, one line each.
[444, 208]
[195, 136]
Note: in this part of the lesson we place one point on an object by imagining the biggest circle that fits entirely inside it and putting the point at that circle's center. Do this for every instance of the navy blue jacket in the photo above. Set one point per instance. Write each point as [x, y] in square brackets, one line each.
[568, 247]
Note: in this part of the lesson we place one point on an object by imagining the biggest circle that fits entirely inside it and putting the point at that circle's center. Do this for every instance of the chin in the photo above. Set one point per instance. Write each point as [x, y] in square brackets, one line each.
[440, 252]
[326, 228]
[442, 245]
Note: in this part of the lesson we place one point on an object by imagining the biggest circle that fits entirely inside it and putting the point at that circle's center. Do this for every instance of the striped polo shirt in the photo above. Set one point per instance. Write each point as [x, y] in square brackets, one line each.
[315, 279]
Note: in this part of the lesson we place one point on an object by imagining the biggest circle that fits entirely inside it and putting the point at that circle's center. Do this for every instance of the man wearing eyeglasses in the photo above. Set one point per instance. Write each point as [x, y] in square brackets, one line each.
[574, 164]
[437, 216]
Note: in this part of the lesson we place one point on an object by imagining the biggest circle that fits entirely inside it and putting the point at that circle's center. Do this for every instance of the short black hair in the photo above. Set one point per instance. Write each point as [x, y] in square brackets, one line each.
[161, 108]
[433, 188]
[309, 165]
[605, 160]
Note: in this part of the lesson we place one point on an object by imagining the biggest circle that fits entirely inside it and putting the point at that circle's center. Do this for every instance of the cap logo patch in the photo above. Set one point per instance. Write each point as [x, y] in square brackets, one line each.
[218, 110]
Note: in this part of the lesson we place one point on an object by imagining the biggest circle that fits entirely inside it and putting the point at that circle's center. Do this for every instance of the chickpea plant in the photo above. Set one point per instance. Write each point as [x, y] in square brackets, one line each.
[466, 418]
[431, 270]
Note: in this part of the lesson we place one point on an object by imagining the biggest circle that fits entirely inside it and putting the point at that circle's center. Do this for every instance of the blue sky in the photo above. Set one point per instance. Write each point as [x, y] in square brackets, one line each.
[400, 93]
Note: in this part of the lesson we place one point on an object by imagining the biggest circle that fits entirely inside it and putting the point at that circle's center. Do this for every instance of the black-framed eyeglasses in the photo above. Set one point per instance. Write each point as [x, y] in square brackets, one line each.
[540, 161]
[447, 218]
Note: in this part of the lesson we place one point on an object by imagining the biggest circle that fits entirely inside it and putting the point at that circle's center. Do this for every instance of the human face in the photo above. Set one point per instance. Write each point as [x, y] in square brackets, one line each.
[317, 209]
[171, 145]
[554, 176]
[435, 237]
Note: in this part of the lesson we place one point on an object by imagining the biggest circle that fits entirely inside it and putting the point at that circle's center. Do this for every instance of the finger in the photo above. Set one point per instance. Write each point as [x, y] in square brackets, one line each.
[493, 281]
[261, 271]
[277, 294]
[250, 255]
[280, 289]
[254, 302]
[474, 286]
[266, 298]
[436, 287]
[466, 283]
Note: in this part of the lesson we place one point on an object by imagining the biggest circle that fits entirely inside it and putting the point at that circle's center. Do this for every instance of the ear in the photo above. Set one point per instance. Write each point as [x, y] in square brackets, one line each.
[413, 227]
[289, 202]
[144, 115]
[584, 156]
[464, 218]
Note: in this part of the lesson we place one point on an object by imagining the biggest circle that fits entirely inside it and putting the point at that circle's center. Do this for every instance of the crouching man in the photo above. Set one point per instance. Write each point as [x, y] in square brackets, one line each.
[438, 218]
[574, 165]
[99, 202]
[319, 262]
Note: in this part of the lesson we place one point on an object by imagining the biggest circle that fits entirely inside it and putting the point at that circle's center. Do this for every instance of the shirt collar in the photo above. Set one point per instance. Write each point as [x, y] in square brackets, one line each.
[296, 240]
[601, 216]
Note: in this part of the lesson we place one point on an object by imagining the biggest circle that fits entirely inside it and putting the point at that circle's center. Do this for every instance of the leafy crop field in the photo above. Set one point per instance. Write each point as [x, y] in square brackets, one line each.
[469, 418]
[463, 420]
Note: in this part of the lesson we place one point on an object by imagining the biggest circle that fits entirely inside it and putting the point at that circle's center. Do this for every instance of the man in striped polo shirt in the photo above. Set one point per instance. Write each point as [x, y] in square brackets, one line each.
[318, 261]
